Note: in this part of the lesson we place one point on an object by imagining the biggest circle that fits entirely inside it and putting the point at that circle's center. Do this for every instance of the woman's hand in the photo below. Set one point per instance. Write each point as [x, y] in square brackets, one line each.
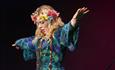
[80, 12]
[16, 46]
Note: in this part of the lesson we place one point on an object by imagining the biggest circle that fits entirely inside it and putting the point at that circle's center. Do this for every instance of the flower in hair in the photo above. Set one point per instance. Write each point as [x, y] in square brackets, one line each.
[43, 17]
[34, 18]
[53, 13]
[49, 16]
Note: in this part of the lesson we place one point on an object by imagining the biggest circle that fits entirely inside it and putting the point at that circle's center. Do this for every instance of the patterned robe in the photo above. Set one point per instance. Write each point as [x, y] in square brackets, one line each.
[64, 37]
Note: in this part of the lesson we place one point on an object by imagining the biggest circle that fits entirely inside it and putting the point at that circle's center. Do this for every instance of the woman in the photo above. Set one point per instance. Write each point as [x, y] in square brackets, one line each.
[52, 36]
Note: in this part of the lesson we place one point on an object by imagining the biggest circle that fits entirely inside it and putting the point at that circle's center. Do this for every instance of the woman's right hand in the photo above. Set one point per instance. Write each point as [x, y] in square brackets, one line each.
[16, 46]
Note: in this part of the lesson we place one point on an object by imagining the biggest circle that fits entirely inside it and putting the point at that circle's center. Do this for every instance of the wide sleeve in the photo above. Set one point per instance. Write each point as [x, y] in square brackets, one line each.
[28, 48]
[69, 36]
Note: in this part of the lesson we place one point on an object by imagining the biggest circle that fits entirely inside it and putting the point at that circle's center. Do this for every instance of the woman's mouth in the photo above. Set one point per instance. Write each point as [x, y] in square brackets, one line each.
[42, 30]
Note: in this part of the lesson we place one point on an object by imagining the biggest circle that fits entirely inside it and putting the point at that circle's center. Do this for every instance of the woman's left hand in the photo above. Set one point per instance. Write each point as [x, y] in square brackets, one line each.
[80, 12]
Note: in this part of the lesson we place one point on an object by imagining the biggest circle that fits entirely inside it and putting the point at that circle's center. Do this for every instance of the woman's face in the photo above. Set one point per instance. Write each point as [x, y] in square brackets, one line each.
[43, 26]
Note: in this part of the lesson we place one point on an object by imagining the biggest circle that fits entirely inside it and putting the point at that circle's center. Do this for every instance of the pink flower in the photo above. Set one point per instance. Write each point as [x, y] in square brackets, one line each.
[34, 18]
[53, 13]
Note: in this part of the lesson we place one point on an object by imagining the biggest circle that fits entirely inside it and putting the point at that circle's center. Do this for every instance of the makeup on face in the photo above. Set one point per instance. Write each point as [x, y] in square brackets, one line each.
[43, 26]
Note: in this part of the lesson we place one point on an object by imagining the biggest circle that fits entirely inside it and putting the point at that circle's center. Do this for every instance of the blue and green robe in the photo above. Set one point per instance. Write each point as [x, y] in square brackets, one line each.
[64, 37]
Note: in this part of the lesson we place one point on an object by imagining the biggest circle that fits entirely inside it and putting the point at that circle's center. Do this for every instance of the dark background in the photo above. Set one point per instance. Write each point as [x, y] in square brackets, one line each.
[96, 49]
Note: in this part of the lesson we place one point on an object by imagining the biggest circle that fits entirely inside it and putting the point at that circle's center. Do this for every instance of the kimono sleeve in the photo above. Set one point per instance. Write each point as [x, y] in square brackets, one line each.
[28, 48]
[69, 36]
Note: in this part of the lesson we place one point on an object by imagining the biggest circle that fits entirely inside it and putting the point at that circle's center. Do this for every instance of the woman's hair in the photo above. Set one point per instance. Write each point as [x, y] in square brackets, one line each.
[53, 17]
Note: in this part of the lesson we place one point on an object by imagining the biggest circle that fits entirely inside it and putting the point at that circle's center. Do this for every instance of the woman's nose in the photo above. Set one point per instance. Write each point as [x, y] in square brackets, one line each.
[39, 25]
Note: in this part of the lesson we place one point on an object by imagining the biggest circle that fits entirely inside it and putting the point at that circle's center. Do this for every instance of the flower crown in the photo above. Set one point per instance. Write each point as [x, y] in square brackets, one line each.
[49, 16]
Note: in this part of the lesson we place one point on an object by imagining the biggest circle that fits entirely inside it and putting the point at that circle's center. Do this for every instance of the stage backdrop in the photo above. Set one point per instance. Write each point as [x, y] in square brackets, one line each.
[96, 46]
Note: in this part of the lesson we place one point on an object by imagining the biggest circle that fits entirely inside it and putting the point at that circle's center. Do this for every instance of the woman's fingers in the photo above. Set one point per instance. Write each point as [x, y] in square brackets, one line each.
[82, 10]
[16, 46]
[13, 44]
[86, 11]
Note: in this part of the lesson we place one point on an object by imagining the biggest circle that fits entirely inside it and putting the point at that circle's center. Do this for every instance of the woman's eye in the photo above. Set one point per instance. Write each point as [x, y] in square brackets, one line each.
[42, 22]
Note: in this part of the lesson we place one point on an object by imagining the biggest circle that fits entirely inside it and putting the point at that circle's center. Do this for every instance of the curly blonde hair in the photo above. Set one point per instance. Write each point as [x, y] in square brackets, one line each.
[52, 26]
